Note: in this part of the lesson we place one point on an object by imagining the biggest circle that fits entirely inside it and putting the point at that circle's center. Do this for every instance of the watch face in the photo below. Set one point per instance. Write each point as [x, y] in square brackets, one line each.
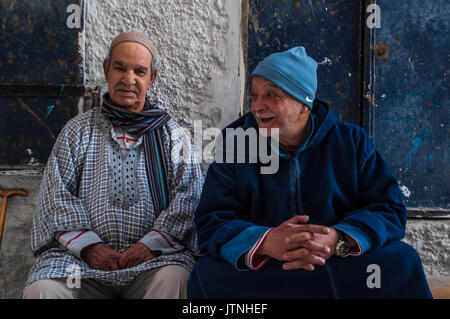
[341, 248]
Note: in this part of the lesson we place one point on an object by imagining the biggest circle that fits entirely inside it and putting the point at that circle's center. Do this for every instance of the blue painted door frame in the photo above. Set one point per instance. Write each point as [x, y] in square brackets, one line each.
[406, 106]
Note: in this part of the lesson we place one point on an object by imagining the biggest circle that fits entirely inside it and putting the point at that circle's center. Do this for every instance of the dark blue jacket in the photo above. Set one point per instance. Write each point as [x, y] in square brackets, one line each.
[338, 179]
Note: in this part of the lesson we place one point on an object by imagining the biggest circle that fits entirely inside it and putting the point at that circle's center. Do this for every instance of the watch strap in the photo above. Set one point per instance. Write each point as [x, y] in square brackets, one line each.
[341, 235]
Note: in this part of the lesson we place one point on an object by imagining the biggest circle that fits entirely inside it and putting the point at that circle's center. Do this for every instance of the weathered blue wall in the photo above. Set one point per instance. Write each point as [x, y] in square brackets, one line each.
[409, 114]
[29, 127]
[40, 77]
[329, 31]
[389, 78]
[36, 44]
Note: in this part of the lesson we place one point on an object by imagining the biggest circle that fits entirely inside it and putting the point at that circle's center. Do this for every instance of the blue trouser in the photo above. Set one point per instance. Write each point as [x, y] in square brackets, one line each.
[400, 275]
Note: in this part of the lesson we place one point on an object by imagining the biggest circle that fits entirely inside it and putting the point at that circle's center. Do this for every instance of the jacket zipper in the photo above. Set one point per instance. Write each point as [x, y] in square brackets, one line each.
[292, 180]
[294, 177]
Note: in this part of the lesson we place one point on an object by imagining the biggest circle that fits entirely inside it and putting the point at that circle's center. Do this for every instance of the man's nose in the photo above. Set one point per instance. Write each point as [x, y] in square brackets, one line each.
[257, 105]
[129, 78]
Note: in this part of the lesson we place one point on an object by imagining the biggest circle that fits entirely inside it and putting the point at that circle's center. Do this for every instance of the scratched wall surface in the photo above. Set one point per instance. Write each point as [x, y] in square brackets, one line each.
[410, 116]
[29, 127]
[39, 70]
[329, 31]
[36, 46]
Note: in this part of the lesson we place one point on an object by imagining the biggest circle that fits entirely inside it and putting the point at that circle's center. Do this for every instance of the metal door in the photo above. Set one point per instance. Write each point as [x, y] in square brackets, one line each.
[40, 76]
[383, 65]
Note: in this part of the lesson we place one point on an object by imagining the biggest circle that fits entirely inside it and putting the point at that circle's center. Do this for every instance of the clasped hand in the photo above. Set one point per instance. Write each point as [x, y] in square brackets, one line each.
[102, 257]
[299, 245]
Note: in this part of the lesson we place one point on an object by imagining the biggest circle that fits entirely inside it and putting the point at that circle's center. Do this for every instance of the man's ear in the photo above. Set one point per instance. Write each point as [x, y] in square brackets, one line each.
[152, 79]
[105, 68]
[305, 108]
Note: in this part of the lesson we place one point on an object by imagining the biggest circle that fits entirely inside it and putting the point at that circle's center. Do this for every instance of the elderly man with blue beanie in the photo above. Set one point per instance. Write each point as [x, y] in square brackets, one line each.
[327, 224]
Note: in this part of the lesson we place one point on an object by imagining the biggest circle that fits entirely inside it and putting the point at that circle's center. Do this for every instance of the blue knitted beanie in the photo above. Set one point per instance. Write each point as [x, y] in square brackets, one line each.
[293, 71]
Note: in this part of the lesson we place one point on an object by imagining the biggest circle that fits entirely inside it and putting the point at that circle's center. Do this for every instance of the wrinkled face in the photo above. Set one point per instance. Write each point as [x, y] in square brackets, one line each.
[129, 75]
[274, 108]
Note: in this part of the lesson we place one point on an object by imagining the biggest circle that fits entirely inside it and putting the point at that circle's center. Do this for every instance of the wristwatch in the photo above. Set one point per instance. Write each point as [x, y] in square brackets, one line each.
[342, 247]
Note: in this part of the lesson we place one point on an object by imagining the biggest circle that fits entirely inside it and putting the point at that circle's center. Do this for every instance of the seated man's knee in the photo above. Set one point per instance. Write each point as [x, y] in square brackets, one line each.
[48, 289]
[404, 254]
[168, 282]
[173, 275]
[398, 260]
[411, 257]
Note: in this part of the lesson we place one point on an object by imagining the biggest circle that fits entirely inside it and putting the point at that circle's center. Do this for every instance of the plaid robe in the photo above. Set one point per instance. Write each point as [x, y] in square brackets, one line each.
[89, 183]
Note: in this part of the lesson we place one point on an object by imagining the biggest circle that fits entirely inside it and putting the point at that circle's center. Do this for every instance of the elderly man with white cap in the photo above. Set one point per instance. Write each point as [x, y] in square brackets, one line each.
[114, 216]
[326, 224]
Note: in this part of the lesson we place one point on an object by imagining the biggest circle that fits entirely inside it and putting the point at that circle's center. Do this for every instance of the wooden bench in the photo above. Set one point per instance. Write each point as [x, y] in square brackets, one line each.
[440, 287]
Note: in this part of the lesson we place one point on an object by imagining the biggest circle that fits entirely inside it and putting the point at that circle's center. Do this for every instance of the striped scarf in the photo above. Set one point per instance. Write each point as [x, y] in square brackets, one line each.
[147, 123]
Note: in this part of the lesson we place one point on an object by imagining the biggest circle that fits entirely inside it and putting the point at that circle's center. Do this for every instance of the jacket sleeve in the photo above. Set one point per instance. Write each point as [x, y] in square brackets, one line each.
[381, 214]
[223, 227]
[220, 215]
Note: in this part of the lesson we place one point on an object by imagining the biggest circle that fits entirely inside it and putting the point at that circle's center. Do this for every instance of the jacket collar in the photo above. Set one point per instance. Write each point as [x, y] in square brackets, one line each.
[320, 122]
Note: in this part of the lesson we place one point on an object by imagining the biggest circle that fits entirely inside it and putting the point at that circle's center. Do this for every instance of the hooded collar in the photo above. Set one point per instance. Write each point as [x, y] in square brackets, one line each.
[320, 122]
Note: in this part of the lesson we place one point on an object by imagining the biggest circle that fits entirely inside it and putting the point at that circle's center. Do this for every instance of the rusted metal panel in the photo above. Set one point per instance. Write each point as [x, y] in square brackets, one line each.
[29, 128]
[39, 45]
[41, 77]
[21, 90]
[406, 105]
[330, 31]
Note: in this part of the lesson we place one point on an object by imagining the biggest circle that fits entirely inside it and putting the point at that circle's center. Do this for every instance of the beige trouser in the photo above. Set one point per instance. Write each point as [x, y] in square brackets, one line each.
[167, 282]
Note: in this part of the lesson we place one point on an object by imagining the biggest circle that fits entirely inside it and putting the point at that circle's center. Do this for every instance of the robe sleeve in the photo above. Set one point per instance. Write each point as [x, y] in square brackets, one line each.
[381, 214]
[220, 215]
[75, 241]
[58, 207]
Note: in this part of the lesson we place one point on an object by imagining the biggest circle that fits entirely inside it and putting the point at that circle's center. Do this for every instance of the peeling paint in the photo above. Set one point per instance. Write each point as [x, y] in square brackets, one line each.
[410, 63]
[430, 160]
[382, 51]
[33, 161]
[437, 106]
[49, 110]
[418, 140]
[405, 191]
[38, 119]
[326, 61]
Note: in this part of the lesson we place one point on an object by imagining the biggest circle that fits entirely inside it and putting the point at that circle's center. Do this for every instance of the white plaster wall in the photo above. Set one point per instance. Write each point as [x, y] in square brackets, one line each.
[199, 48]
[430, 238]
